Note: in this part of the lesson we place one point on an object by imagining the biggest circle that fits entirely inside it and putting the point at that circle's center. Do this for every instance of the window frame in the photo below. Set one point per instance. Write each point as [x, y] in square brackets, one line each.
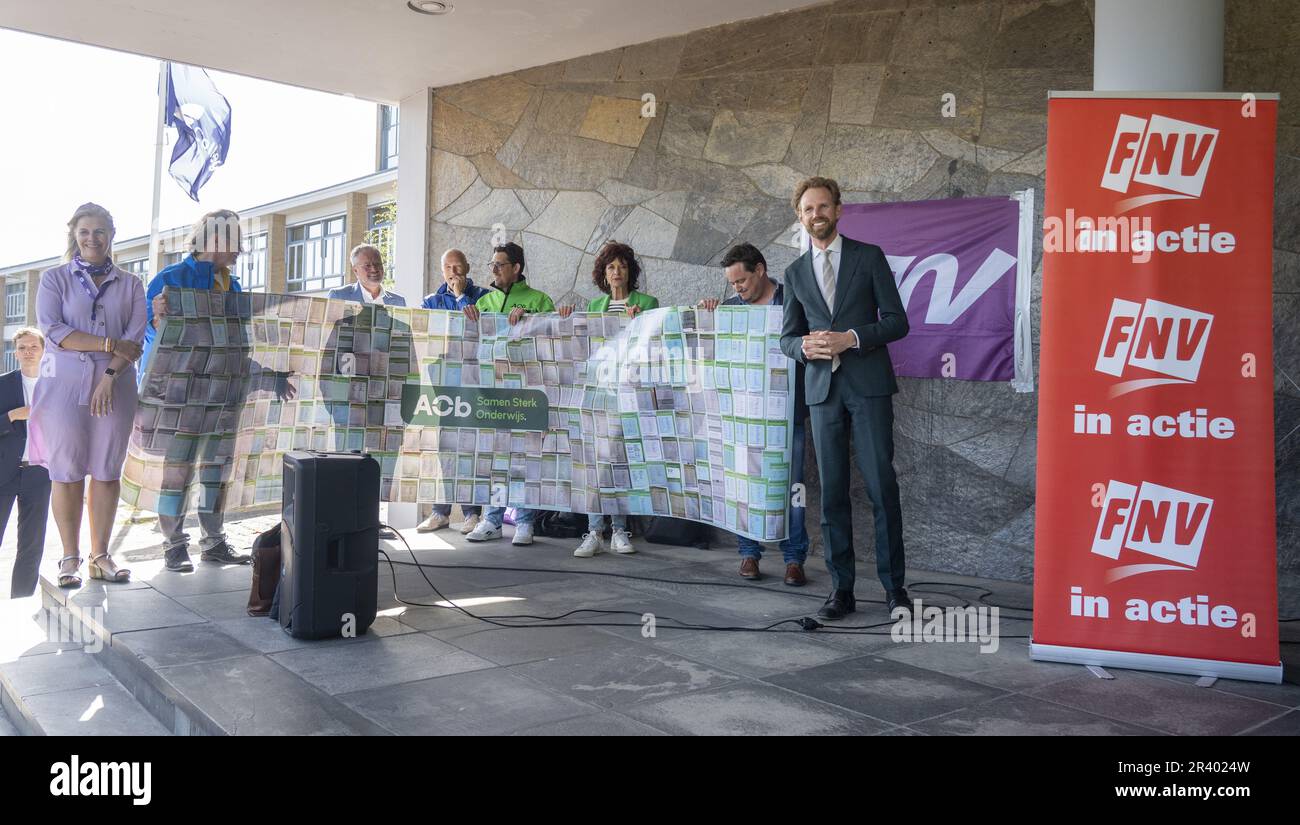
[316, 244]
[10, 292]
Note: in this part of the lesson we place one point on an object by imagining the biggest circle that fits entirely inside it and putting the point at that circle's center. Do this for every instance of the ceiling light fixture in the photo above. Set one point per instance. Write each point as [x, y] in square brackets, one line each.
[429, 7]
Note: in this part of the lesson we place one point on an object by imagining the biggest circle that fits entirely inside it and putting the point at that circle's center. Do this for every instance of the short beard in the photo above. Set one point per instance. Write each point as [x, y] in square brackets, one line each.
[826, 233]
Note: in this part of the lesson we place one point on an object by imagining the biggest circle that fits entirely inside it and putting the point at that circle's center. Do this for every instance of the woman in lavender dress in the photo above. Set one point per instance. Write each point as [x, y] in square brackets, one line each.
[93, 317]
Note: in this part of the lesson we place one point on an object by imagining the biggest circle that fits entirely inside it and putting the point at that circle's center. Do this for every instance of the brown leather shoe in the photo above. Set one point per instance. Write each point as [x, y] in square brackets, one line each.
[794, 575]
[749, 568]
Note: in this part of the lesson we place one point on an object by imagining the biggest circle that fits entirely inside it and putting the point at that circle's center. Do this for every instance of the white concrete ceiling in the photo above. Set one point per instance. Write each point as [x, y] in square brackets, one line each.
[374, 49]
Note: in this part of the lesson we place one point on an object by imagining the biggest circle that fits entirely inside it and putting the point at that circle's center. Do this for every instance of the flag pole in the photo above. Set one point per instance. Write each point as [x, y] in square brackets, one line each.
[155, 254]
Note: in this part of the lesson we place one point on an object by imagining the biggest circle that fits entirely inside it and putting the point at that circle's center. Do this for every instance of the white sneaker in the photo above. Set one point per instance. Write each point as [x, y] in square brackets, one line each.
[484, 531]
[621, 542]
[435, 521]
[523, 534]
[469, 525]
[591, 545]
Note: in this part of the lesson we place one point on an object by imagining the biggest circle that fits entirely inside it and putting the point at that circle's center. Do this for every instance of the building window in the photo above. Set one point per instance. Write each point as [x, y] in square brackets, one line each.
[16, 303]
[11, 357]
[316, 258]
[251, 266]
[381, 230]
[139, 268]
[170, 258]
[388, 123]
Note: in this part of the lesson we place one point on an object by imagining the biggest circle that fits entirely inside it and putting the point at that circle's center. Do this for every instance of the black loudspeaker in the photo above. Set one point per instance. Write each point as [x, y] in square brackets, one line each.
[329, 561]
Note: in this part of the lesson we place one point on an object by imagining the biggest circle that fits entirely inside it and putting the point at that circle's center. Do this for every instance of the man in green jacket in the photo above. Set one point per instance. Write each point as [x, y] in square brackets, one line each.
[512, 293]
[514, 296]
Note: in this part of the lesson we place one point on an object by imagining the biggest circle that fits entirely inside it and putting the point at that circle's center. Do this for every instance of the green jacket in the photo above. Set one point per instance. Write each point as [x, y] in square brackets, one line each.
[521, 295]
[637, 299]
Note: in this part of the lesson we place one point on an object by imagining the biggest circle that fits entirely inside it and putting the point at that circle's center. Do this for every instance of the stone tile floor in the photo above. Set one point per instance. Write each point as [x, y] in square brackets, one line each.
[435, 670]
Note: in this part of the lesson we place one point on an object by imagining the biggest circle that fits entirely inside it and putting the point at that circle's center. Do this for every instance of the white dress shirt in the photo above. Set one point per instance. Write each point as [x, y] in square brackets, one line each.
[366, 297]
[835, 253]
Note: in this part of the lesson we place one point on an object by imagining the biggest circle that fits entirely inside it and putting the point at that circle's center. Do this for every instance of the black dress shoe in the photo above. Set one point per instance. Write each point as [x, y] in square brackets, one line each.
[839, 605]
[898, 598]
[177, 560]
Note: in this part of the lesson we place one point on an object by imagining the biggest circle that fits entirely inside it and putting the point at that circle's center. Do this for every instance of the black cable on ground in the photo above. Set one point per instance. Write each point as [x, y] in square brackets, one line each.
[805, 624]
[919, 587]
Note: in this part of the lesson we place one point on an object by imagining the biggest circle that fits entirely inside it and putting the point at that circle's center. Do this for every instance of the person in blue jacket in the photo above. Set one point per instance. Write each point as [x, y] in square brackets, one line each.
[457, 290]
[456, 293]
[214, 245]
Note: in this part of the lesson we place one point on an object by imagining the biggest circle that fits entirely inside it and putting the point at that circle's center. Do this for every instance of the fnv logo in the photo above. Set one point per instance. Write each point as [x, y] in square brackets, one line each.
[1156, 337]
[1162, 153]
[1152, 520]
[128, 779]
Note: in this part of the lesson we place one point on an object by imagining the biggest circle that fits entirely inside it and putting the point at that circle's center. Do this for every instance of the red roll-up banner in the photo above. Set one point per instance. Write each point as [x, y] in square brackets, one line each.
[1156, 544]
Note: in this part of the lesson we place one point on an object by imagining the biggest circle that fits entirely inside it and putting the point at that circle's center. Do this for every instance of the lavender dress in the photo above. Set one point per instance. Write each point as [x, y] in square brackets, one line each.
[64, 437]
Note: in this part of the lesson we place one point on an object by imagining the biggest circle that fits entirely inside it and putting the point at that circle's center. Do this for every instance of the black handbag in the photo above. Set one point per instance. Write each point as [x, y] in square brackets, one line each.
[266, 572]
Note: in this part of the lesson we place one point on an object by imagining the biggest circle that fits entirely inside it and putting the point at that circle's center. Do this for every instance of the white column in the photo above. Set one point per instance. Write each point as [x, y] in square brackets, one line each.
[1158, 46]
[414, 166]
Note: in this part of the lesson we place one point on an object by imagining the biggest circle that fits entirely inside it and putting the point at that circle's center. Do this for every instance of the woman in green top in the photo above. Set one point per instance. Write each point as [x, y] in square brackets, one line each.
[615, 273]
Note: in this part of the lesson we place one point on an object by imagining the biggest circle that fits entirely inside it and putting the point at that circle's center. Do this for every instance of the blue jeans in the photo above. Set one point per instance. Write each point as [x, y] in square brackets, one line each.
[444, 510]
[596, 522]
[794, 548]
[496, 516]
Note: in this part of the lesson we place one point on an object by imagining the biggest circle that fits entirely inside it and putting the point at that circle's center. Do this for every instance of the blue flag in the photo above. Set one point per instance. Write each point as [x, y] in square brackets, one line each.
[201, 116]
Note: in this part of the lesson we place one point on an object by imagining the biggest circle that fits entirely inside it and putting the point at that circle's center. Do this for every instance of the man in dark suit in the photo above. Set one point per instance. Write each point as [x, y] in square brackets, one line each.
[28, 483]
[841, 308]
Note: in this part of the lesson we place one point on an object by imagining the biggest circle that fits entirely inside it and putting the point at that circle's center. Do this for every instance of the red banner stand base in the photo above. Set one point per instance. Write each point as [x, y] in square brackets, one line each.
[1242, 671]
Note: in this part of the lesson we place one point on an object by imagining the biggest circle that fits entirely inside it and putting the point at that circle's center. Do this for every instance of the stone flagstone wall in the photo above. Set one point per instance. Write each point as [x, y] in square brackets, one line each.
[560, 158]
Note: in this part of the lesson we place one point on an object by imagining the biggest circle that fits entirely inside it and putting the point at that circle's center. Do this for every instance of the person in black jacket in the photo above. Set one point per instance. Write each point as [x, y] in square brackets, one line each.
[28, 483]
[841, 308]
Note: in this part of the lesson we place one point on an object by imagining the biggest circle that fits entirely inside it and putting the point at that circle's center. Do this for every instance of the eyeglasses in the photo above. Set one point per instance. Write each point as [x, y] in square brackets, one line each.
[497, 267]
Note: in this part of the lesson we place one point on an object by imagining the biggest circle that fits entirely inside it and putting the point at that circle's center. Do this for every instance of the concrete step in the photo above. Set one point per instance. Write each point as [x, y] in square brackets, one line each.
[6, 727]
[159, 639]
[81, 618]
[66, 691]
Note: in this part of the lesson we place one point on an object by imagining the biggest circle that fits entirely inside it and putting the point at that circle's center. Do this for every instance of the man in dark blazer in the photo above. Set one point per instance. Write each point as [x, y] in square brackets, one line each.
[28, 483]
[841, 308]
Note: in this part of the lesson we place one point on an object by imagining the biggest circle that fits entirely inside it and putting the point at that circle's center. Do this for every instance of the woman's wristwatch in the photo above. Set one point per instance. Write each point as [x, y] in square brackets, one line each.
[110, 372]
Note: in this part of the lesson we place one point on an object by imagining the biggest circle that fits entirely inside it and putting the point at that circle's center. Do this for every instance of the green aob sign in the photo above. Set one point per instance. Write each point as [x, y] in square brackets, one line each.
[483, 408]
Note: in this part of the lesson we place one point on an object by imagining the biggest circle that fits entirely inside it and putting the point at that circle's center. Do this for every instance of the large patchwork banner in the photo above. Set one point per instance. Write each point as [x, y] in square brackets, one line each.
[676, 412]
[1156, 543]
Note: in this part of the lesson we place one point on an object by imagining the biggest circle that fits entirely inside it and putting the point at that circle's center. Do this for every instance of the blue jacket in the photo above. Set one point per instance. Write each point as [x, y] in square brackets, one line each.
[188, 274]
[444, 299]
[13, 434]
[352, 292]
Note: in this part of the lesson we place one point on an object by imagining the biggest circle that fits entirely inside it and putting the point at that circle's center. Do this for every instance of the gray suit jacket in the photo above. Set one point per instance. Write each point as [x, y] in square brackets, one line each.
[866, 301]
[352, 292]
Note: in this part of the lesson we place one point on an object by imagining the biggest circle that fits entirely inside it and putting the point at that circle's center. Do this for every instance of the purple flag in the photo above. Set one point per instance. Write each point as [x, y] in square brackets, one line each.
[956, 265]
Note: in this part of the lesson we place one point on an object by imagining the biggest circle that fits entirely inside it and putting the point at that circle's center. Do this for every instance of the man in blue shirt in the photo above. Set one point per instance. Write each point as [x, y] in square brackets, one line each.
[746, 271]
[456, 293]
[214, 247]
